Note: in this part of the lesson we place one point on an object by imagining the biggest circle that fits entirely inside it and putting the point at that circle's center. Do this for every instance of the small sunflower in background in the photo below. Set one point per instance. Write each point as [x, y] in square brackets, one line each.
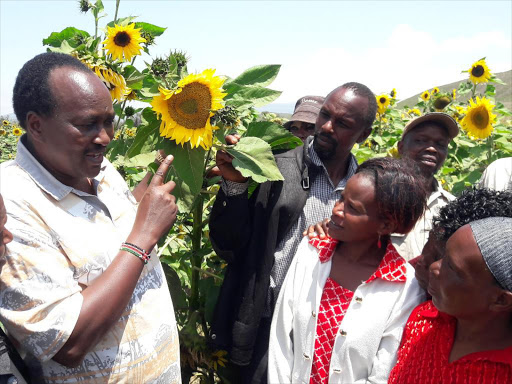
[382, 103]
[123, 42]
[454, 94]
[425, 95]
[479, 72]
[414, 111]
[393, 93]
[479, 118]
[3, 132]
[17, 131]
[6, 122]
[186, 111]
[435, 91]
[115, 82]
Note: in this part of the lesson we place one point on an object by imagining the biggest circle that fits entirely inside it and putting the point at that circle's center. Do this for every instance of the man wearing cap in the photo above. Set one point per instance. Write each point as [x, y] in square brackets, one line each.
[302, 123]
[425, 141]
[258, 237]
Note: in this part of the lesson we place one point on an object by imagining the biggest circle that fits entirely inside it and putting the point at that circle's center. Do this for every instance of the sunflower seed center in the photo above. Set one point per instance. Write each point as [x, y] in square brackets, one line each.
[480, 118]
[477, 71]
[122, 39]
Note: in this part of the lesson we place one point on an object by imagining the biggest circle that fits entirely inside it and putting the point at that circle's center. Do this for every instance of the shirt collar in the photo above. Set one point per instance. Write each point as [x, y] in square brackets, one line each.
[391, 268]
[315, 159]
[439, 192]
[44, 179]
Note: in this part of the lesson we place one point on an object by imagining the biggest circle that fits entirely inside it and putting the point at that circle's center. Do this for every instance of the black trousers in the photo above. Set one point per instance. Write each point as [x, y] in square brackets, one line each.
[256, 371]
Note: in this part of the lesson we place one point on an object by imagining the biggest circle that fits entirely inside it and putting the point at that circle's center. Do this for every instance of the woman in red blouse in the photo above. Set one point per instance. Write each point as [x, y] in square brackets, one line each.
[464, 335]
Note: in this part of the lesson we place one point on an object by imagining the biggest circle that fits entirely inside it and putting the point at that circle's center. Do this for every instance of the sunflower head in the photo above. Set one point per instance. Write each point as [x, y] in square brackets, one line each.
[115, 83]
[393, 93]
[84, 6]
[123, 42]
[441, 102]
[479, 118]
[3, 132]
[435, 91]
[150, 39]
[17, 131]
[186, 111]
[479, 72]
[382, 103]
[5, 122]
[414, 111]
[425, 95]
[454, 94]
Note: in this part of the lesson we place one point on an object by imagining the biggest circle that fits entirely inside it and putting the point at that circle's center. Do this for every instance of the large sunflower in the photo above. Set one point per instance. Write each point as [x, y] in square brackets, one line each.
[479, 72]
[123, 42]
[479, 118]
[425, 96]
[186, 111]
[382, 103]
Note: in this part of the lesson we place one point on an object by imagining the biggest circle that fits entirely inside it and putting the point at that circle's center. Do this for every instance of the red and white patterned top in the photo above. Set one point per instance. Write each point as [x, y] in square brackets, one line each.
[336, 300]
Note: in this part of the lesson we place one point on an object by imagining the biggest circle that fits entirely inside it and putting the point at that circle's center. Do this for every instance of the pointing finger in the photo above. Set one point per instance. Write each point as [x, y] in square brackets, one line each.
[159, 175]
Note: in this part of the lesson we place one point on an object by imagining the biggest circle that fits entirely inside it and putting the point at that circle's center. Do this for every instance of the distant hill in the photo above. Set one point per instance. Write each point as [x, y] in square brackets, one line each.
[503, 92]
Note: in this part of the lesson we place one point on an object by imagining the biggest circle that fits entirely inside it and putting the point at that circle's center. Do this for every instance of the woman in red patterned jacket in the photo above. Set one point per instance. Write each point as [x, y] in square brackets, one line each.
[464, 335]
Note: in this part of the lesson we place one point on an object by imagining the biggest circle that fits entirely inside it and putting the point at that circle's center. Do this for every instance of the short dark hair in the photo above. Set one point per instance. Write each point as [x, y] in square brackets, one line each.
[399, 190]
[32, 90]
[363, 91]
[473, 204]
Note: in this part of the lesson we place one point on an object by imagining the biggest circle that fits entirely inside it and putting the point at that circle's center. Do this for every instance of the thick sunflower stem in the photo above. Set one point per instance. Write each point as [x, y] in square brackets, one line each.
[117, 9]
[197, 232]
[490, 143]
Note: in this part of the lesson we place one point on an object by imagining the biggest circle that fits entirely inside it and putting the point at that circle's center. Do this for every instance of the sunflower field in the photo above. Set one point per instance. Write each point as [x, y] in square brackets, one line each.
[164, 108]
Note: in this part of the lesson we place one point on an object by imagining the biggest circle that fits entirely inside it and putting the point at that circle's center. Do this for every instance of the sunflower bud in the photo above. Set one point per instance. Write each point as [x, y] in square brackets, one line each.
[129, 111]
[226, 116]
[150, 39]
[160, 67]
[441, 102]
[84, 6]
[181, 58]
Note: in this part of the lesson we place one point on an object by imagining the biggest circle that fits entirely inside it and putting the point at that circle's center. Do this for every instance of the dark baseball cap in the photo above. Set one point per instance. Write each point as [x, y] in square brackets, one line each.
[441, 118]
[307, 109]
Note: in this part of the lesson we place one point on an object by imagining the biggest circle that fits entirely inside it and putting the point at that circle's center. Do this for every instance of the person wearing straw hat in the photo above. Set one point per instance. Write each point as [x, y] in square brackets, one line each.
[302, 122]
[464, 335]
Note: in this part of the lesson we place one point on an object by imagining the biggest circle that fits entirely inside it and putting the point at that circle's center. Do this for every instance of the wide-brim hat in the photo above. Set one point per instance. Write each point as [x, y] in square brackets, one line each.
[306, 110]
[440, 118]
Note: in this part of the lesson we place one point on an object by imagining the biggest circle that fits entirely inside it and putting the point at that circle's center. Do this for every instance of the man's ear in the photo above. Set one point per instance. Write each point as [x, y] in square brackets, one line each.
[401, 147]
[34, 125]
[502, 301]
[364, 135]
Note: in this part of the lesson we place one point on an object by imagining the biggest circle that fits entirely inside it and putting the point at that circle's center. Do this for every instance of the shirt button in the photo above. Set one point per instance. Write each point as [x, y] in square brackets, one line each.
[306, 356]
[224, 203]
[359, 299]
[313, 314]
[214, 336]
[343, 333]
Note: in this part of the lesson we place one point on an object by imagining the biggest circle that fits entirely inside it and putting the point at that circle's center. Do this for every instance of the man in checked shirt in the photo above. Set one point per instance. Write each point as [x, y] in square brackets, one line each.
[258, 237]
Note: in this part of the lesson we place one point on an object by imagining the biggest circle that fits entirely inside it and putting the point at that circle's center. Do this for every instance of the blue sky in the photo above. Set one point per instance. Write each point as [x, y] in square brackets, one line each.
[410, 46]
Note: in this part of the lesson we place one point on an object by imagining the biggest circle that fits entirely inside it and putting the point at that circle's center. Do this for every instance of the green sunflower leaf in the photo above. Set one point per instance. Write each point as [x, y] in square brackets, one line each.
[143, 135]
[68, 34]
[274, 134]
[150, 28]
[187, 172]
[258, 96]
[261, 75]
[253, 157]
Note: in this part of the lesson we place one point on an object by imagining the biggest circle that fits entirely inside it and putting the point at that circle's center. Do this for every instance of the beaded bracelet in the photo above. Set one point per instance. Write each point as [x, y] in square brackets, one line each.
[136, 251]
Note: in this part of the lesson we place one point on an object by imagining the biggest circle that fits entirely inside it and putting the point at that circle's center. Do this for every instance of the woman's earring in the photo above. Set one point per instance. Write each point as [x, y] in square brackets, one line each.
[379, 244]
